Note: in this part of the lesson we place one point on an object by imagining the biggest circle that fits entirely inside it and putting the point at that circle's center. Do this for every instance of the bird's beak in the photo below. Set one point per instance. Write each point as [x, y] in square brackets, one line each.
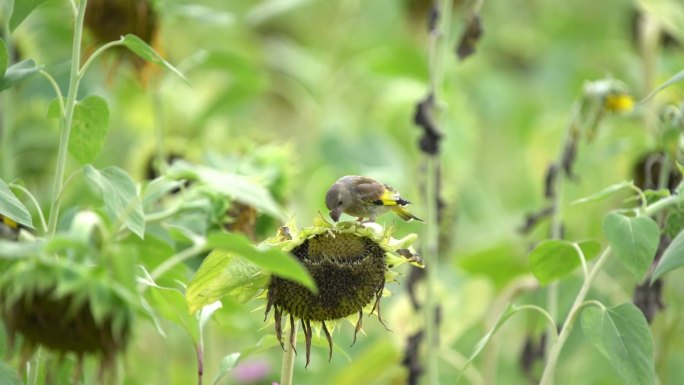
[335, 215]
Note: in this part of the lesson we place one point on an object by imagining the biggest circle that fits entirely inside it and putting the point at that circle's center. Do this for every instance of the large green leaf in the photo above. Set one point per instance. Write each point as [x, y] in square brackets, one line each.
[236, 186]
[554, 259]
[18, 72]
[142, 49]
[221, 274]
[12, 208]
[673, 257]
[22, 8]
[634, 240]
[4, 58]
[275, 261]
[622, 335]
[120, 196]
[89, 128]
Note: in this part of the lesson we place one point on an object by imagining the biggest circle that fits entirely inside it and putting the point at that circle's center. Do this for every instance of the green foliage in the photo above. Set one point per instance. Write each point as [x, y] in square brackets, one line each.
[18, 72]
[120, 196]
[8, 375]
[228, 363]
[672, 258]
[89, 129]
[275, 261]
[142, 49]
[237, 187]
[12, 208]
[553, 259]
[634, 240]
[224, 274]
[622, 335]
[22, 8]
[4, 58]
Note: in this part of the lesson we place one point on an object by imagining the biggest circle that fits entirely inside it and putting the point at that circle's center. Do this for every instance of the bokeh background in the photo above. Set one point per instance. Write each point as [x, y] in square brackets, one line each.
[312, 90]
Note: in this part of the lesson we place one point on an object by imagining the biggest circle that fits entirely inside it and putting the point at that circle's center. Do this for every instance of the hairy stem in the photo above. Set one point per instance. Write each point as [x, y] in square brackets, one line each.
[67, 118]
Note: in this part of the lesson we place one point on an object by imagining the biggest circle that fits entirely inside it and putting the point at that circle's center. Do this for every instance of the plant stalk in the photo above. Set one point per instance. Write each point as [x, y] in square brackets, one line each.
[550, 368]
[288, 358]
[6, 110]
[67, 119]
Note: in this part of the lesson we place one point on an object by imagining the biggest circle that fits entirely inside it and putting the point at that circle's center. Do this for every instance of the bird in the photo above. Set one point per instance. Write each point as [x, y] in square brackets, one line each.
[364, 197]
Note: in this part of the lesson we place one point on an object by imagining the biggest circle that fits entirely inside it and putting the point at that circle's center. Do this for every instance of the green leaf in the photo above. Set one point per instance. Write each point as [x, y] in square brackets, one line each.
[554, 259]
[89, 128]
[18, 72]
[673, 257]
[228, 363]
[634, 240]
[12, 208]
[119, 195]
[606, 192]
[142, 49]
[12, 249]
[277, 262]
[22, 8]
[4, 58]
[622, 335]
[223, 274]
[170, 304]
[235, 186]
[8, 374]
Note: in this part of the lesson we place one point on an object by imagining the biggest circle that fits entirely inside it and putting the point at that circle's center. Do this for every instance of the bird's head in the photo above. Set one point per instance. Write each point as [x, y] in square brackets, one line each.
[337, 200]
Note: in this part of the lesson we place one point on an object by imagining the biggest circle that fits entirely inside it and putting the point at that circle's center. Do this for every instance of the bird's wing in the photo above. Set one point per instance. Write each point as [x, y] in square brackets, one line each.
[373, 192]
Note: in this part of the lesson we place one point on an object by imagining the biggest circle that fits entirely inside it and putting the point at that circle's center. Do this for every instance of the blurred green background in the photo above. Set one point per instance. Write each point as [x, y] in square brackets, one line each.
[328, 88]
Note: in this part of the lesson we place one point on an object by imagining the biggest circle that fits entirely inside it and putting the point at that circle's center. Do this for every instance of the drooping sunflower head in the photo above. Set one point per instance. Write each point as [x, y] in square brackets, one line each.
[66, 308]
[350, 264]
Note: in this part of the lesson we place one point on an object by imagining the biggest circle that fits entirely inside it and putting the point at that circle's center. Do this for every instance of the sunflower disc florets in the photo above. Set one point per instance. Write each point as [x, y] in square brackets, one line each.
[349, 263]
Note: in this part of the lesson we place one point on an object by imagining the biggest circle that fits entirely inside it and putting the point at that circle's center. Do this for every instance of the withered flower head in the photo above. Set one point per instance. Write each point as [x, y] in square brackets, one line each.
[65, 307]
[350, 263]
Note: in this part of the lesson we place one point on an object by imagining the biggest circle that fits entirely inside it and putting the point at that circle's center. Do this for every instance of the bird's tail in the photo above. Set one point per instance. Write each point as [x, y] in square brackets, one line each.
[405, 214]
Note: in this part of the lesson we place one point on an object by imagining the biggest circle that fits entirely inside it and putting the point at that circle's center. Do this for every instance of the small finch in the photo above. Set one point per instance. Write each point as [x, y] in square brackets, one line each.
[365, 197]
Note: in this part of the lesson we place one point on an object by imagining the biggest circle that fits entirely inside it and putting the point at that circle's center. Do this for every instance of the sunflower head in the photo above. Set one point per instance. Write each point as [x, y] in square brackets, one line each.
[350, 263]
[65, 307]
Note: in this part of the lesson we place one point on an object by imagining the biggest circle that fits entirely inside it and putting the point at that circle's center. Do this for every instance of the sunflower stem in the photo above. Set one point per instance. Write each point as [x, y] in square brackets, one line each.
[67, 118]
[289, 357]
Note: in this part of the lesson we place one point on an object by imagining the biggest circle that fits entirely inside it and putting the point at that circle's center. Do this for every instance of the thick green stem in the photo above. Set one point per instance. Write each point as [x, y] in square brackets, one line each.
[67, 119]
[288, 358]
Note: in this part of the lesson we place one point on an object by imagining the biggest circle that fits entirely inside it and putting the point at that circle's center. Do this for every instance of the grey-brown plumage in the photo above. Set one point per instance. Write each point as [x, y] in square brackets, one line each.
[365, 197]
